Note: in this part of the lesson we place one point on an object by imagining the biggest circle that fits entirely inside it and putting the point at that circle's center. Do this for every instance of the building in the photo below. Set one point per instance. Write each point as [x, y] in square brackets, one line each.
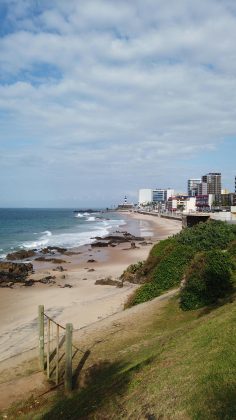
[162, 195]
[224, 200]
[193, 186]
[157, 195]
[213, 181]
[190, 205]
[145, 196]
[204, 202]
[176, 203]
[202, 188]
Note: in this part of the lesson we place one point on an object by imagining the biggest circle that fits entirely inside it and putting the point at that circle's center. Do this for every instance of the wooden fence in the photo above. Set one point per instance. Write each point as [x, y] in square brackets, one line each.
[56, 349]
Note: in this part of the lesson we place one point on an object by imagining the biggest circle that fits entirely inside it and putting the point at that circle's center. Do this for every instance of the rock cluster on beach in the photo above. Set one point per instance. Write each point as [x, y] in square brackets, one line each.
[11, 273]
[113, 240]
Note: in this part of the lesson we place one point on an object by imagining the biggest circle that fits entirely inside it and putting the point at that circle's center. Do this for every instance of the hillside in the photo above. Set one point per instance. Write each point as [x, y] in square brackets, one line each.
[156, 360]
[173, 364]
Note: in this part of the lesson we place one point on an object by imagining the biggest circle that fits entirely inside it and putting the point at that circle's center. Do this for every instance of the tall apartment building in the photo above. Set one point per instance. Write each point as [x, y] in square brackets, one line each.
[193, 186]
[213, 181]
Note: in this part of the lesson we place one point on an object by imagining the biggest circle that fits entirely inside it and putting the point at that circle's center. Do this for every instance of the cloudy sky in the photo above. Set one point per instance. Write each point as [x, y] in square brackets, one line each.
[101, 97]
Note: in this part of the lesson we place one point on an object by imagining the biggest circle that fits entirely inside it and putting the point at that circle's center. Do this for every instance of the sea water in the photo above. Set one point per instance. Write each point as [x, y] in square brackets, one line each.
[38, 228]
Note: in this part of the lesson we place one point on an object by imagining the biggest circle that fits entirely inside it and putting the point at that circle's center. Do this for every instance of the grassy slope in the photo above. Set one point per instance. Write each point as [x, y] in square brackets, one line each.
[178, 365]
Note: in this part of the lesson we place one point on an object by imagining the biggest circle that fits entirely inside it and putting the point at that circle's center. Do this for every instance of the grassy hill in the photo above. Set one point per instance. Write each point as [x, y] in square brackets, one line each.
[174, 364]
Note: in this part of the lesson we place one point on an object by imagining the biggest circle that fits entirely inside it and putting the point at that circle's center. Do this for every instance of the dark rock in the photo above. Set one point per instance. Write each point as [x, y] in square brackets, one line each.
[29, 282]
[71, 253]
[59, 268]
[15, 272]
[7, 284]
[108, 281]
[52, 249]
[91, 261]
[99, 244]
[47, 280]
[90, 270]
[20, 255]
[53, 260]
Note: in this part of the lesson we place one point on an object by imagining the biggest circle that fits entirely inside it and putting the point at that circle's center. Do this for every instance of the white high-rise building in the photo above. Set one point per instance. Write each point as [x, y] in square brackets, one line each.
[145, 196]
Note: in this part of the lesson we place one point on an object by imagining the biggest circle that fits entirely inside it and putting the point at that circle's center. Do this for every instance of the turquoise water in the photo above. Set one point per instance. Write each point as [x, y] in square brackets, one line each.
[37, 228]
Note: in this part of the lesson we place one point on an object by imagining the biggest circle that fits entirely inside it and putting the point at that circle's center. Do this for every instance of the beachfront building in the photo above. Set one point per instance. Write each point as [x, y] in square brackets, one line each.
[204, 202]
[154, 196]
[145, 196]
[213, 181]
[176, 203]
[161, 195]
[193, 185]
[190, 205]
[224, 200]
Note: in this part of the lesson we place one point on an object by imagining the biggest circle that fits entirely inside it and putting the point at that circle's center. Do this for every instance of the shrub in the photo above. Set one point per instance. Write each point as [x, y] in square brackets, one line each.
[205, 236]
[167, 274]
[207, 279]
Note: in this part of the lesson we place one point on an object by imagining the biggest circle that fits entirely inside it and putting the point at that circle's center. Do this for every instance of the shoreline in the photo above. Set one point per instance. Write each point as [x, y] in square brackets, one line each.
[84, 303]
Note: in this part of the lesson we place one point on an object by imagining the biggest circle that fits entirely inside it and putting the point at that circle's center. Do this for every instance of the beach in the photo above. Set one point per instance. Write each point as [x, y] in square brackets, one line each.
[74, 297]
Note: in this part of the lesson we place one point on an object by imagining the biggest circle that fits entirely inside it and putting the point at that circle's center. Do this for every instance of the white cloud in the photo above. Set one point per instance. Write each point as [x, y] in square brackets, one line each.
[116, 91]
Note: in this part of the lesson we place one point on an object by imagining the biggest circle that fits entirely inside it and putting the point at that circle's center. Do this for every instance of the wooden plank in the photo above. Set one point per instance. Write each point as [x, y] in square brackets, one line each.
[68, 355]
[41, 335]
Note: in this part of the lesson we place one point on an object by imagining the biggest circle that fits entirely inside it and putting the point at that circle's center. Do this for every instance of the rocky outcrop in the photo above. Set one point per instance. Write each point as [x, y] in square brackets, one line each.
[53, 249]
[20, 255]
[99, 244]
[108, 281]
[14, 272]
[113, 240]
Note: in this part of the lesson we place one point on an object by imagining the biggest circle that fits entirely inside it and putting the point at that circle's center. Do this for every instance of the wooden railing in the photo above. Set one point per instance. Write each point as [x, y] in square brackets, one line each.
[56, 349]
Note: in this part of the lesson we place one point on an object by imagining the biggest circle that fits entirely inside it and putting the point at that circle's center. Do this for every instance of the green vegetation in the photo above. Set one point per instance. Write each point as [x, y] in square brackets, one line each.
[207, 279]
[170, 261]
[174, 365]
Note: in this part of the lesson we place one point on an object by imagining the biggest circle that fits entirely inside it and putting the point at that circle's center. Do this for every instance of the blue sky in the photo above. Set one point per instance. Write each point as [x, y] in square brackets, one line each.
[99, 98]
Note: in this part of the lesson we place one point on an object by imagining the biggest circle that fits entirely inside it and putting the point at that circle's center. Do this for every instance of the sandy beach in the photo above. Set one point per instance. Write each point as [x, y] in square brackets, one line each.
[83, 303]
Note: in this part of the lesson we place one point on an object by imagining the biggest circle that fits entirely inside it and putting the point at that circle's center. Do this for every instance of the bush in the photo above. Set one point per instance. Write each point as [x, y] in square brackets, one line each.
[207, 279]
[167, 274]
[205, 236]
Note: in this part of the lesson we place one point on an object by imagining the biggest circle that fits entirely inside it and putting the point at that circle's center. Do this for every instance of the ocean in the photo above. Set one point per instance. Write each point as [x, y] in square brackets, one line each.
[37, 228]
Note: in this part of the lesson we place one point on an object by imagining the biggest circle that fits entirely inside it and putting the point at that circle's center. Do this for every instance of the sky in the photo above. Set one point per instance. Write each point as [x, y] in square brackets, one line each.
[99, 98]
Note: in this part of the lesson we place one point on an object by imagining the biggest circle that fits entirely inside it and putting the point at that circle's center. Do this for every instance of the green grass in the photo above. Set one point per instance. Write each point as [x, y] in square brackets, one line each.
[176, 365]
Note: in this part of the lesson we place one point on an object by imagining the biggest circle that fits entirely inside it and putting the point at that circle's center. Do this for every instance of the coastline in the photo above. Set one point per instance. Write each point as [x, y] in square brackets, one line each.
[84, 303]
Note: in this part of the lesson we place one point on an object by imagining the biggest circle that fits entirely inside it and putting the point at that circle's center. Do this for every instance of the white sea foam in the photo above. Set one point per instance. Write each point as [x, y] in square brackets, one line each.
[91, 219]
[74, 239]
[47, 233]
[79, 215]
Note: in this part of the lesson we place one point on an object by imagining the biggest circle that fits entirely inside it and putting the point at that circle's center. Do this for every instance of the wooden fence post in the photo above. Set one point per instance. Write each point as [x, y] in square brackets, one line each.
[41, 335]
[68, 358]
